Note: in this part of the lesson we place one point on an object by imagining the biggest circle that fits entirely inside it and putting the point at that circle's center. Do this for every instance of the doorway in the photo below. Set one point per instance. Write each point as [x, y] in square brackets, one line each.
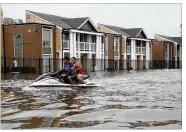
[138, 63]
[84, 58]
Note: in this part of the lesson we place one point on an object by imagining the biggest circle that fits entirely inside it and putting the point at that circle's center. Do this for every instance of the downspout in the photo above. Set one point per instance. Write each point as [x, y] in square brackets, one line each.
[4, 46]
[62, 46]
[104, 50]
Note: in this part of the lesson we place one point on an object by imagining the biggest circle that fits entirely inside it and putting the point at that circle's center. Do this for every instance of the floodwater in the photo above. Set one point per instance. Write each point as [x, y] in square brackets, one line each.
[136, 100]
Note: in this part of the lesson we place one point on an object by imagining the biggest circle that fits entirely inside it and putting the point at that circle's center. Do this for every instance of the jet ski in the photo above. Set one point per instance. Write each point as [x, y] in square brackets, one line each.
[59, 79]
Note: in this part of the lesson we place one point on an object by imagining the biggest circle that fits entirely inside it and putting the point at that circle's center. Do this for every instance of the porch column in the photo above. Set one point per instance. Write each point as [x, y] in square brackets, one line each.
[133, 54]
[60, 60]
[180, 53]
[98, 52]
[147, 54]
[180, 56]
[71, 44]
[175, 48]
[141, 62]
[98, 47]
[89, 42]
[168, 60]
[74, 44]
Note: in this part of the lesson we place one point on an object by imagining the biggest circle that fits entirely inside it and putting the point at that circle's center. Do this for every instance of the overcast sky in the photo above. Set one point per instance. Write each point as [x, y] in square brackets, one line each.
[162, 19]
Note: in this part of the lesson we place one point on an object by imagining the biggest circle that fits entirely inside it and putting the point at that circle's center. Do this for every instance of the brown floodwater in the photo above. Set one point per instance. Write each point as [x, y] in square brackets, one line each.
[136, 100]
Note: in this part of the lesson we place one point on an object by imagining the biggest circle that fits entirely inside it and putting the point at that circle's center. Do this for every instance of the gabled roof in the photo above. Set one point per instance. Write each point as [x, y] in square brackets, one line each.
[62, 22]
[173, 39]
[128, 32]
[177, 39]
[132, 31]
[116, 29]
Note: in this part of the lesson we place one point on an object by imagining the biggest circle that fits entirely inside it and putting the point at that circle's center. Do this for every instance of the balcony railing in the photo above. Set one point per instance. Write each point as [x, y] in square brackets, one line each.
[84, 46]
[65, 44]
[143, 50]
[140, 50]
[93, 47]
[128, 49]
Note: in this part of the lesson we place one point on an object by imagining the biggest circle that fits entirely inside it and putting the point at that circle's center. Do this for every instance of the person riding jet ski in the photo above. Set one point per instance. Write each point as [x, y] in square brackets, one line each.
[68, 67]
[78, 71]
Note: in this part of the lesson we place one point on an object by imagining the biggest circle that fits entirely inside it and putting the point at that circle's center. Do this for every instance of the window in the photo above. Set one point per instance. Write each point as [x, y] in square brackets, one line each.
[47, 41]
[116, 46]
[46, 38]
[18, 47]
[138, 43]
[77, 35]
[102, 39]
[65, 36]
[66, 54]
[77, 56]
[143, 44]
[81, 38]
[85, 38]
[93, 38]
[166, 48]
[128, 42]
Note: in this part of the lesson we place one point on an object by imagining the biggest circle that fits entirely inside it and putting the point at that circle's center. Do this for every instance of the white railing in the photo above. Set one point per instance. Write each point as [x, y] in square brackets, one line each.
[87, 46]
[143, 50]
[140, 50]
[93, 47]
[82, 46]
[128, 49]
[65, 44]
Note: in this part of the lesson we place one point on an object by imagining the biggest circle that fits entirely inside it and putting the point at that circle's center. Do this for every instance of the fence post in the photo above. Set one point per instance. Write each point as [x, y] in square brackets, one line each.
[39, 66]
[49, 63]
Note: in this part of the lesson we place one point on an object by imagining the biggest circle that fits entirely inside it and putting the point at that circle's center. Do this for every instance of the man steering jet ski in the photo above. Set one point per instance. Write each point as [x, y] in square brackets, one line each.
[68, 67]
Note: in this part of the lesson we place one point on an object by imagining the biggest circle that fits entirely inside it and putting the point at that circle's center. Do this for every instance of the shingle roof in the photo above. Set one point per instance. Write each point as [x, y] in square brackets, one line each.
[128, 32]
[74, 22]
[117, 29]
[177, 39]
[174, 39]
[132, 31]
[61, 21]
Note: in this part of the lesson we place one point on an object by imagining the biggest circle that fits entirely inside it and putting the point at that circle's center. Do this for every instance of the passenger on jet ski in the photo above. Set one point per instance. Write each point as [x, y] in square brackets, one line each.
[68, 67]
[78, 71]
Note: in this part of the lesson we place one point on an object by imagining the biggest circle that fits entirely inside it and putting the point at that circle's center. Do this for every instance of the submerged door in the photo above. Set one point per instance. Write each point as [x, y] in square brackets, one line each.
[46, 63]
[144, 62]
[93, 62]
[84, 59]
[138, 63]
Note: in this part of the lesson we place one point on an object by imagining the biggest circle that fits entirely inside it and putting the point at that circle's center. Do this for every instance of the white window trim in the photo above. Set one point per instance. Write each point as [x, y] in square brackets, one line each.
[51, 42]
[22, 48]
[50, 38]
[118, 47]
